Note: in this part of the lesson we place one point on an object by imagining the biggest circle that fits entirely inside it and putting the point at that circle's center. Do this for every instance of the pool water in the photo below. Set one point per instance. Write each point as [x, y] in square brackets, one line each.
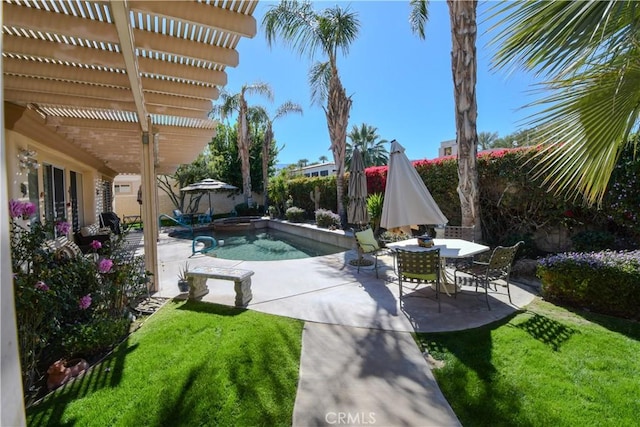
[264, 245]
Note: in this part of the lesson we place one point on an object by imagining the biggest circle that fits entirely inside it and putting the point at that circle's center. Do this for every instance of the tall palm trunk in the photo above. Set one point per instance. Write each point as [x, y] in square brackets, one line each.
[266, 149]
[243, 150]
[337, 112]
[464, 69]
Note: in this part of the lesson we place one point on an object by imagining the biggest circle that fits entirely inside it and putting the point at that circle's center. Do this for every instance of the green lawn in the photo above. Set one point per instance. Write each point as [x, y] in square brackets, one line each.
[190, 364]
[544, 367]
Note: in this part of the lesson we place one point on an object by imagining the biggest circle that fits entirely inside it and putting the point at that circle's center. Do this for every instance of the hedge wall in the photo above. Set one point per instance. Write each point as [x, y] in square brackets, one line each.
[514, 206]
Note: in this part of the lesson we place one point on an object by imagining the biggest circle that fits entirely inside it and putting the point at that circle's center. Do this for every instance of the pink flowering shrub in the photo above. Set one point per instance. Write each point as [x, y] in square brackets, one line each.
[66, 307]
[62, 227]
[85, 302]
[104, 265]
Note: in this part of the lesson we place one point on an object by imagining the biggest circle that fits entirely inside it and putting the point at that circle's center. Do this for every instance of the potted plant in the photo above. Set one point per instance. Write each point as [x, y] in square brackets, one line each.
[183, 283]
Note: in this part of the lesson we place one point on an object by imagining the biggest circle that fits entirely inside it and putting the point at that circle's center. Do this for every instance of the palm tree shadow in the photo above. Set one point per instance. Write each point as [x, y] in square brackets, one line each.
[547, 331]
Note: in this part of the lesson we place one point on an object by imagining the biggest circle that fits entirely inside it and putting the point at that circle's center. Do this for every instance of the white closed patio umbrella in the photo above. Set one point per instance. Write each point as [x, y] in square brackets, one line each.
[407, 201]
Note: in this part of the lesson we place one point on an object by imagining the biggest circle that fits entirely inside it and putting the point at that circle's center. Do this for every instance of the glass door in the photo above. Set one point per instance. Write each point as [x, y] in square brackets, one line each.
[54, 198]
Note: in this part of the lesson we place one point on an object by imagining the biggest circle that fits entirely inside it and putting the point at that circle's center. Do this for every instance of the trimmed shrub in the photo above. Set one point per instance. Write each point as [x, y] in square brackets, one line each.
[300, 187]
[327, 219]
[295, 214]
[606, 282]
[590, 241]
[243, 209]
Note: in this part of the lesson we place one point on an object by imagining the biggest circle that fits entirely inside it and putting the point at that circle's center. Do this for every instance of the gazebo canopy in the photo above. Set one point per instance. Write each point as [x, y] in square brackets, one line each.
[99, 73]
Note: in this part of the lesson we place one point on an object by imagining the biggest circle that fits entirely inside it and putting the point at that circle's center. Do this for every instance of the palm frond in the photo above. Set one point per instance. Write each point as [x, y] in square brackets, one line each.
[339, 28]
[555, 38]
[286, 108]
[259, 88]
[587, 122]
[319, 77]
[419, 16]
[296, 24]
[229, 104]
[257, 113]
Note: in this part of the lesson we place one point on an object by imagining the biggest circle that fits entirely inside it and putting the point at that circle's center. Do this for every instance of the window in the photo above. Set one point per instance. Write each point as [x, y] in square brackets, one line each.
[122, 189]
[324, 173]
[447, 151]
[314, 173]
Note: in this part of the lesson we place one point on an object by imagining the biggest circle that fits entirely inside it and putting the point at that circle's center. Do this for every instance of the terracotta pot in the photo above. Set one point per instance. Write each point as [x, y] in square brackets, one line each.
[61, 371]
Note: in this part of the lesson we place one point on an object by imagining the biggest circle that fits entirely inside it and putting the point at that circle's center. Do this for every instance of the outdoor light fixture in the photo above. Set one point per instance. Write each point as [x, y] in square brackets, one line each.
[27, 160]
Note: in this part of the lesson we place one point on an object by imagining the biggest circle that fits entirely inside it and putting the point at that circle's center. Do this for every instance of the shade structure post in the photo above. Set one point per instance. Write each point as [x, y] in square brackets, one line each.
[149, 209]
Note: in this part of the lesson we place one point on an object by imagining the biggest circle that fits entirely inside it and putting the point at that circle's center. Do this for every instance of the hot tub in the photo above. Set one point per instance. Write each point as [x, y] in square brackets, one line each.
[240, 223]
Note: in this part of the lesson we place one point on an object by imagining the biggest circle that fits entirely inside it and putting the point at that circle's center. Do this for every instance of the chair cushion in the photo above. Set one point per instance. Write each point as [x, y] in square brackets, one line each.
[90, 230]
[367, 241]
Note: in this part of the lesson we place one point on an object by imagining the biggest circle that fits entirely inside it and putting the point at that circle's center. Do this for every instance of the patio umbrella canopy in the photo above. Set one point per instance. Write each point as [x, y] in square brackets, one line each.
[208, 185]
[357, 191]
[407, 201]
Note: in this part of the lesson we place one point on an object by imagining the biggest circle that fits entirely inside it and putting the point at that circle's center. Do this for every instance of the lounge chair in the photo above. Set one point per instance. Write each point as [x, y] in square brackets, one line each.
[111, 220]
[206, 217]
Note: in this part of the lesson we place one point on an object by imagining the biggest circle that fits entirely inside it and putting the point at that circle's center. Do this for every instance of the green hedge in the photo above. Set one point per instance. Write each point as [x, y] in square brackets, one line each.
[606, 282]
[301, 187]
[514, 204]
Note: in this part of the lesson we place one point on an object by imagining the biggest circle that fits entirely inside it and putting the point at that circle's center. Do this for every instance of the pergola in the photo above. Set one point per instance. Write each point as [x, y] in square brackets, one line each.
[124, 87]
[126, 84]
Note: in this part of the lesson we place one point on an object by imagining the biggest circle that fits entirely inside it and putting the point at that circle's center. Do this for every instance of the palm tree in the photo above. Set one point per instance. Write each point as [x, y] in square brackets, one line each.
[462, 15]
[588, 54]
[487, 139]
[323, 159]
[237, 103]
[366, 139]
[302, 163]
[284, 109]
[330, 31]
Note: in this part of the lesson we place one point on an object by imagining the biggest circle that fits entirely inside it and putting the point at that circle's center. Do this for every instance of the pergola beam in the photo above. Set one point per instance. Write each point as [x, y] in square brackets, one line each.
[127, 46]
[201, 14]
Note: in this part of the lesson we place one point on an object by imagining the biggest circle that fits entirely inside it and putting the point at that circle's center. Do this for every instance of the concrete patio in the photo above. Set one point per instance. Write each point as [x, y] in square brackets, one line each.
[359, 362]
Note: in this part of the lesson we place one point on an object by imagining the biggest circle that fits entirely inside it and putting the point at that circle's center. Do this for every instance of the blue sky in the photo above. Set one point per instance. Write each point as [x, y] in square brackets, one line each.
[399, 83]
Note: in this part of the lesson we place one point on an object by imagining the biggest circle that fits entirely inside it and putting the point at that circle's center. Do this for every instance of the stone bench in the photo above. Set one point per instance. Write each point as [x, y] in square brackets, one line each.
[198, 276]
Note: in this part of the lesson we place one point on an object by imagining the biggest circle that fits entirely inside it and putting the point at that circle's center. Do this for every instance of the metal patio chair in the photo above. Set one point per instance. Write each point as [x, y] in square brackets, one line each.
[498, 267]
[419, 267]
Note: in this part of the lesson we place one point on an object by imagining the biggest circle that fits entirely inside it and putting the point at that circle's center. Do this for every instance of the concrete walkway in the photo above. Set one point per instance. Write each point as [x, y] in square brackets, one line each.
[359, 363]
[355, 376]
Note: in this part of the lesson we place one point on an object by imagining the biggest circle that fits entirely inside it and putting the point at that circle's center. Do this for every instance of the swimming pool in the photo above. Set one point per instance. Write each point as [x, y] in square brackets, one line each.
[263, 245]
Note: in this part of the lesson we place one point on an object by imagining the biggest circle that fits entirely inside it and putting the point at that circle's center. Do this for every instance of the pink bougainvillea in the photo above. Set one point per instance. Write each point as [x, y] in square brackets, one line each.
[95, 245]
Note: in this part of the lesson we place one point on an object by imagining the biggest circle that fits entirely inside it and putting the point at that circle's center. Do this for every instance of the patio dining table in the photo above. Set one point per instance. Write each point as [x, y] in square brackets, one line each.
[449, 248]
